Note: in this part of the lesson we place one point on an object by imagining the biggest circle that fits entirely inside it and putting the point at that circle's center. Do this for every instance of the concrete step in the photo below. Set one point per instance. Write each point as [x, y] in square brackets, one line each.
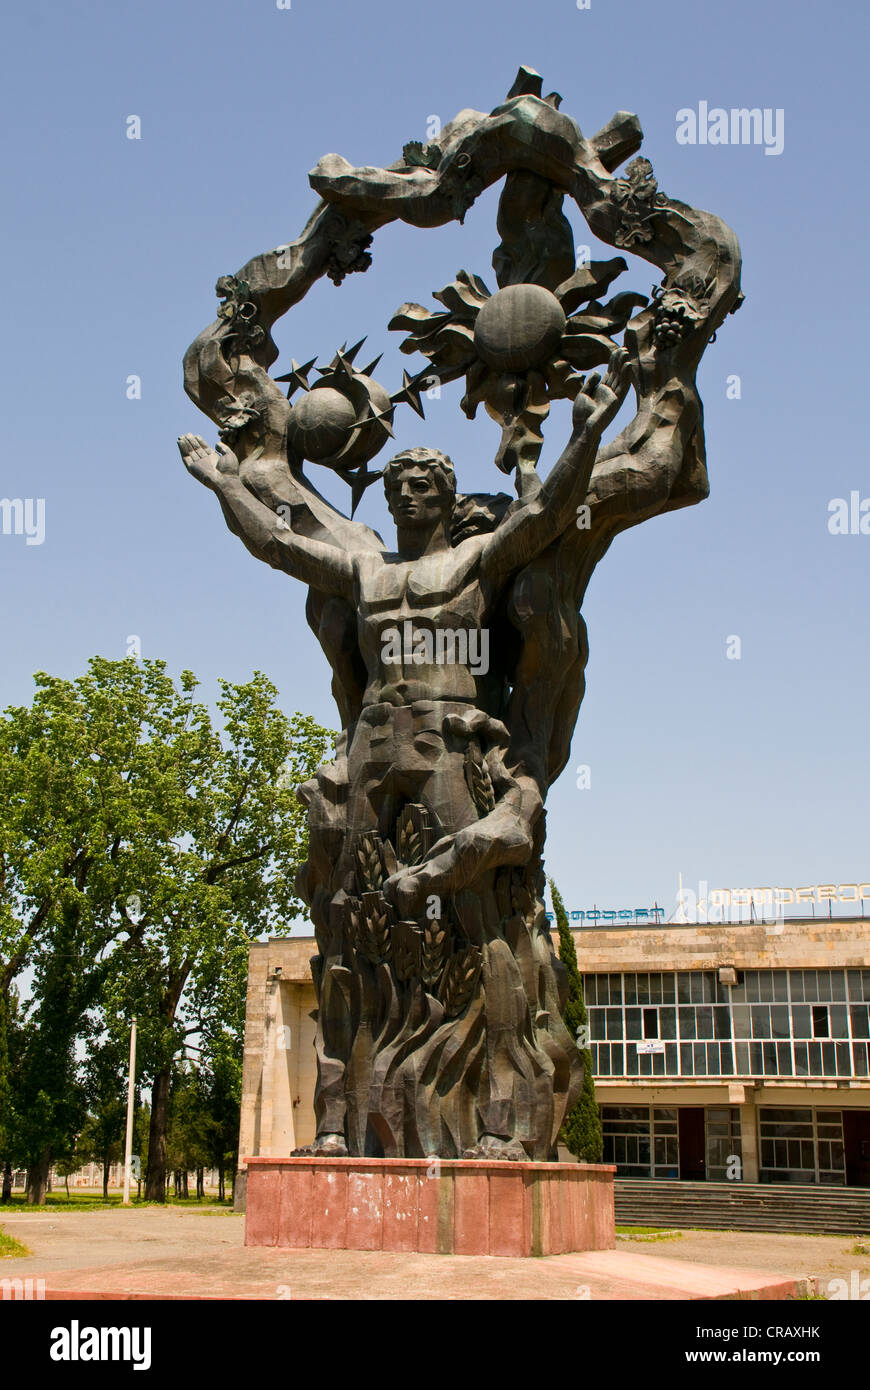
[742, 1206]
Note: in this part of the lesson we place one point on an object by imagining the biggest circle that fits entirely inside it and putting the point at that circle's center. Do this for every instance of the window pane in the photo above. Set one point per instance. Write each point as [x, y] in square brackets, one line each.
[614, 1023]
[633, 1023]
[687, 1021]
[821, 1023]
[802, 1020]
[779, 1021]
[860, 1020]
[740, 1017]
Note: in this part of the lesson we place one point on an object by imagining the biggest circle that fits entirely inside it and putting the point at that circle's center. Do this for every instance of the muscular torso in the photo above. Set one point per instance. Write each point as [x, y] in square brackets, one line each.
[441, 597]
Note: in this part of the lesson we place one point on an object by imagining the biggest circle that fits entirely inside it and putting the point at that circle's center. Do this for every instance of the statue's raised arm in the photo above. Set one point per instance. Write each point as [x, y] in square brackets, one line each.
[532, 525]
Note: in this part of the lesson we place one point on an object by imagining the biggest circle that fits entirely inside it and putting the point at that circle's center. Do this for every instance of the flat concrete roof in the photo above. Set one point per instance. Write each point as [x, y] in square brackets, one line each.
[799, 943]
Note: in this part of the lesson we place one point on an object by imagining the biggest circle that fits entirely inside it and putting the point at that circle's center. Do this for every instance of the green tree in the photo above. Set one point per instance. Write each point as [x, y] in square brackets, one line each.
[49, 1103]
[187, 1146]
[581, 1132]
[105, 1088]
[141, 849]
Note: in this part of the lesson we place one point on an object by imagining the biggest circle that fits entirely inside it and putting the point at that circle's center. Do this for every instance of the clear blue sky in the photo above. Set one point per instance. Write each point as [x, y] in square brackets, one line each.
[737, 772]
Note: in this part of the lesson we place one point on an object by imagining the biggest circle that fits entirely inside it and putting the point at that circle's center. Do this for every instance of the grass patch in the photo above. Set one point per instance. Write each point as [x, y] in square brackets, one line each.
[647, 1233]
[94, 1201]
[12, 1249]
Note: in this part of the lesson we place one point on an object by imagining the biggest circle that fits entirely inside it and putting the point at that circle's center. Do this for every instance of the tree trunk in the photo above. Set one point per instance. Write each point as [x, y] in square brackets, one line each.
[185, 1189]
[66, 1184]
[105, 1177]
[221, 1189]
[200, 1184]
[155, 1178]
[37, 1180]
[7, 1183]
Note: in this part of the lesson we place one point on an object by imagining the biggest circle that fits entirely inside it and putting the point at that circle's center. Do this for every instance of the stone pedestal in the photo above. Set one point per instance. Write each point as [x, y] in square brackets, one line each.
[429, 1205]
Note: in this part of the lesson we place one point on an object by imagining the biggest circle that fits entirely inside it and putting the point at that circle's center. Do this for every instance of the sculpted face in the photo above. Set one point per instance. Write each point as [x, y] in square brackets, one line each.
[416, 497]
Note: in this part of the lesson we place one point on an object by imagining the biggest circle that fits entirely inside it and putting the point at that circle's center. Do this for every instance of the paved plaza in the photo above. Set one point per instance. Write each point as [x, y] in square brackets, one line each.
[199, 1253]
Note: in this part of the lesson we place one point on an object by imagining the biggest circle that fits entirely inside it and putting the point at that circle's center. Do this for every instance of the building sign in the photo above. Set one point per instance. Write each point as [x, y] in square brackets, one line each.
[783, 897]
[596, 915]
[650, 1047]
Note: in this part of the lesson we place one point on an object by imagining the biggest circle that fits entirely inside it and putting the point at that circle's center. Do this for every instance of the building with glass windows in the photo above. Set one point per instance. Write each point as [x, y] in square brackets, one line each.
[733, 1050]
[721, 1051]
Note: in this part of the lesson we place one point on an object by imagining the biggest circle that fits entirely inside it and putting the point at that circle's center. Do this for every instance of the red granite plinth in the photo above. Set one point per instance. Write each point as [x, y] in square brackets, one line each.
[432, 1206]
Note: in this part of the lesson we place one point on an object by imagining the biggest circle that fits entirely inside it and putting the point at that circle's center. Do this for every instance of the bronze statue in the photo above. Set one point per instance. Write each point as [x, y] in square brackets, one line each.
[458, 659]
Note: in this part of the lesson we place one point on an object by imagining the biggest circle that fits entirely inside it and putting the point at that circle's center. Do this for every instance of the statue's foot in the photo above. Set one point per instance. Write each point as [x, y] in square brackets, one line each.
[324, 1146]
[491, 1146]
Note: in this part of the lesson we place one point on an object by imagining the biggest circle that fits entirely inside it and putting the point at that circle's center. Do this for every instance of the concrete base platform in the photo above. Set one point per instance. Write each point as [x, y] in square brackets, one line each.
[172, 1253]
[430, 1206]
[374, 1275]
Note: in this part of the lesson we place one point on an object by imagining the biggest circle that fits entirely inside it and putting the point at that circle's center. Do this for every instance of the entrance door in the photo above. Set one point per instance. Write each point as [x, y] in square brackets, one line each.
[692, 1143]
[856, 1141]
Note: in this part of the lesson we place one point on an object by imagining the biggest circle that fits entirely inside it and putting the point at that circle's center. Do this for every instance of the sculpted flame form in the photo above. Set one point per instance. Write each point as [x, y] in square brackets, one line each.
[439, 1023]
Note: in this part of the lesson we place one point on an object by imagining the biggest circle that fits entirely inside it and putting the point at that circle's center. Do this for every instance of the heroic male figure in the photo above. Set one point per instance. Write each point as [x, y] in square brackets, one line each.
[409, 742]
[437, 585]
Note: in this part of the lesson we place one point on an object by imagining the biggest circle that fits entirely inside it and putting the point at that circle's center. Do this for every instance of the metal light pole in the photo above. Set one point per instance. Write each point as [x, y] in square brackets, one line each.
[128, 1143]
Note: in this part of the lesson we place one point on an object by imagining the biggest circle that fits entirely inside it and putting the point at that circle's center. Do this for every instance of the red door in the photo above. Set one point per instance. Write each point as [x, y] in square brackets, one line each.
[856, 1141]
[693, 1166]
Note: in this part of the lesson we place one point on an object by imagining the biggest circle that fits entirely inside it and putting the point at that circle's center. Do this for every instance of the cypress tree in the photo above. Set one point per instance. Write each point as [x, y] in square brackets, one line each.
[581, 1132]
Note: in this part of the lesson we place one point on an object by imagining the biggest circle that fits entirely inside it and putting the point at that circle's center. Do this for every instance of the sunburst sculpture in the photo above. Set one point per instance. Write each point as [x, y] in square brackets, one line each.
[344, 419]
[519, 348]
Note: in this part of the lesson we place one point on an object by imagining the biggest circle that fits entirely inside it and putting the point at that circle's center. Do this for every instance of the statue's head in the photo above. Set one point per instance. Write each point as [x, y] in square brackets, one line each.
[421, 487]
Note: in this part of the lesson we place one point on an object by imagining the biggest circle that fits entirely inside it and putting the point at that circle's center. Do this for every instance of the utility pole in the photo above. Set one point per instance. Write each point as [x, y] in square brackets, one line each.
[131, 1091]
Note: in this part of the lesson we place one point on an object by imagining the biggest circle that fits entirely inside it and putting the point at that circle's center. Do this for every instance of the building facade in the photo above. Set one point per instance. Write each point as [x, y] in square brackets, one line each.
[736, 1051]
[720, 1051]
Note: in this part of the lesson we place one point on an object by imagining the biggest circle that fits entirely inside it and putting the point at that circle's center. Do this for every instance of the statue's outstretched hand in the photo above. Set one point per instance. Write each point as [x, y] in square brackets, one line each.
[598, 401]
[207, 464]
